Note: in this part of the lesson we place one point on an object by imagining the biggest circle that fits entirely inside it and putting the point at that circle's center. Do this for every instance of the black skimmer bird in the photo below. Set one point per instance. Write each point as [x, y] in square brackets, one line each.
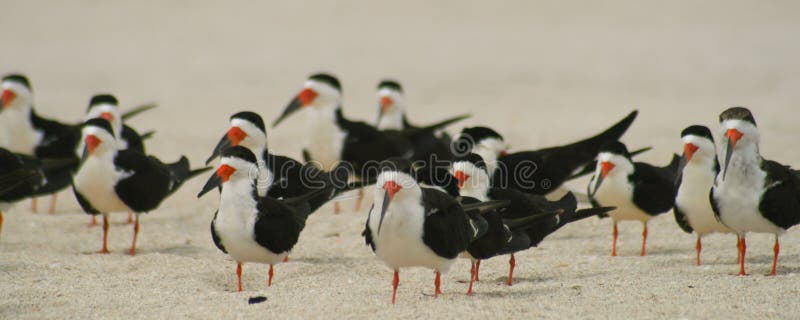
[753, 194]
[544, 170]
[700, 167]
[279, 176]
[392, 116]
[639, 191]
[106, 106]
[252, 228]
[23, 131]
[21, 176]
[111, 179]
[391, 106]
[414, 226]
[547, 216]
[332, 138]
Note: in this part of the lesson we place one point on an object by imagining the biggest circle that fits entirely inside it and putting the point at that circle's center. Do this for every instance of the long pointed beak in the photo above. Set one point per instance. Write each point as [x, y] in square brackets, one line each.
[605, 168]
[6, 98]
[461, 177]
[391, 188]
[597, 183]
[688, 151]
[386, 104]
[733, 137]
[381, 110]
[219, 177]
[222, 145]
[293, 106]
[386, 199]
[213, 182]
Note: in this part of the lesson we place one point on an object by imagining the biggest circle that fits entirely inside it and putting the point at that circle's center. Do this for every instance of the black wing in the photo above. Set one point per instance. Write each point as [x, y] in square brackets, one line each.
[20, 176]
[447, 230]
[59, 140]
[654, 190]
[132, 138]
[542, 171]
[215, 236]
[365, 145]
[149, 183]
[681, 219]
[87, 207]
[279, 224]
[494, 241]
[367, 234]
[522, 204]
[780, 203]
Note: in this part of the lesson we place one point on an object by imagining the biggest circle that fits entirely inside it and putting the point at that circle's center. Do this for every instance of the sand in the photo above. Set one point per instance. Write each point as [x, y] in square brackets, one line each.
[543, 73]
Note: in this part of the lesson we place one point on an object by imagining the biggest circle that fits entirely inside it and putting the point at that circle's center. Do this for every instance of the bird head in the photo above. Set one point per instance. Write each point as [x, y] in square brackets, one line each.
[390, 99]
[698, 144]
[739, 132]
[247, 130]
[16, 92]
[236, 163]
[613, 160]
[472, 175]
[319, 91]
[105, 106]
[98, 137]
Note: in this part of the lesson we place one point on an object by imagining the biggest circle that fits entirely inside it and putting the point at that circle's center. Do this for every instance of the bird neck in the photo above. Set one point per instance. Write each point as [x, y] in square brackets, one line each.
[392, 120]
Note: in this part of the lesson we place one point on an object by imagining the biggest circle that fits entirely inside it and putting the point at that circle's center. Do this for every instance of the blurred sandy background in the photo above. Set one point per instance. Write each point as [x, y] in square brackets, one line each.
[541, 72]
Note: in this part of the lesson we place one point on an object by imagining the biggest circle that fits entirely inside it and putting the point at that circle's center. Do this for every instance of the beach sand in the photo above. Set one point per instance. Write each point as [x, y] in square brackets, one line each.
[542, 73]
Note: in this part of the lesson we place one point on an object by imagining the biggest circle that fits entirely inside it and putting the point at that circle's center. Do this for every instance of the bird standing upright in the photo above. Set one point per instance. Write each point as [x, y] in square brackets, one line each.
[111, 179]
[414, 226]
[692, 209]
[253, 228]
[473, 181]
[753, 194]
[639, 191]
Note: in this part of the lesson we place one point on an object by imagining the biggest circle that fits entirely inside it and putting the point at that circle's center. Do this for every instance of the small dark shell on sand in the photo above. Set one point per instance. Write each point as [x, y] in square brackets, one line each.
[254, 300]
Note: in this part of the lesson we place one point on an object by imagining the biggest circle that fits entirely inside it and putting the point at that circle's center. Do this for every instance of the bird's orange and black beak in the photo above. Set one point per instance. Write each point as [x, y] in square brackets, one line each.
[7, 97]
[688, 151]
[605, 169]
[390, 189]
[303, 99]
[108, 116]
[233, 137]
[461, 177]
[90, 144]
[222, 175]
[733, 136]
[385, 104]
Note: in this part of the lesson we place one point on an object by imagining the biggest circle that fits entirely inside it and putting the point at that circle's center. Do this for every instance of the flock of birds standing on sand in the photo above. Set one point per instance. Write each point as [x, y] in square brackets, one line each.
[436, 198]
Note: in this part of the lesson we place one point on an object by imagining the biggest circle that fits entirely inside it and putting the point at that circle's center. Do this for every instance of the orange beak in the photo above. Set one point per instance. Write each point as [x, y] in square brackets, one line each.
[306, 97]
[91, 143]
[734, 136]
[605, 168]
[7, 97]
[391, 188]
[461, 177]
[386, 103]
[236, 135]
[108, 116]
[688, 151]
[224, 172]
